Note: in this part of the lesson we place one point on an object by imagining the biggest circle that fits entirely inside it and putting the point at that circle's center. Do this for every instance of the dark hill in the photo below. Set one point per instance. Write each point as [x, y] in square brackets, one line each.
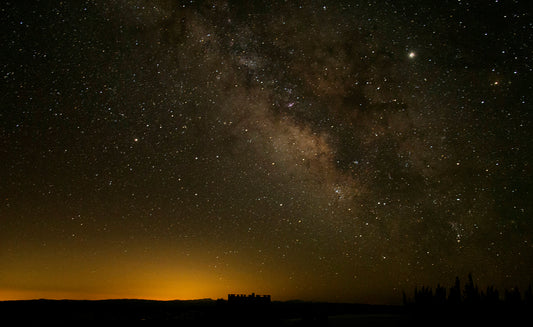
[205, 312]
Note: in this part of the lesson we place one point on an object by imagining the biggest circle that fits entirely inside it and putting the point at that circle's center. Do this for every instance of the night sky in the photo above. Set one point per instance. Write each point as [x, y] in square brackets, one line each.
[313, 150]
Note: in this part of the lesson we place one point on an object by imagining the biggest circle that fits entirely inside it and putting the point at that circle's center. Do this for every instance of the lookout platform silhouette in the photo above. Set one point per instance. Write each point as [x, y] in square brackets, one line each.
[251, 299]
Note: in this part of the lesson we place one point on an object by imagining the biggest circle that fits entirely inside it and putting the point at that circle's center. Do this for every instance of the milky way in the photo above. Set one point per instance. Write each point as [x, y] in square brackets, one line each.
[323, 150]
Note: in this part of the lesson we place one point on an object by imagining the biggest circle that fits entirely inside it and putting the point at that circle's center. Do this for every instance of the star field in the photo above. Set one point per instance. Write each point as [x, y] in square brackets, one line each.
[319, 150]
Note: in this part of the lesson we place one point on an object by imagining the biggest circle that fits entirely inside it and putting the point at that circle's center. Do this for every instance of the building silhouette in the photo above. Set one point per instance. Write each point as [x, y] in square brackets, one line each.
[248, 299]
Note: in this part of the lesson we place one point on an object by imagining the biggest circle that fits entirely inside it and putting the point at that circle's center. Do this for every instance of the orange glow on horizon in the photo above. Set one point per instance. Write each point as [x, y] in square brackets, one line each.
[161, 281]
[158, 294]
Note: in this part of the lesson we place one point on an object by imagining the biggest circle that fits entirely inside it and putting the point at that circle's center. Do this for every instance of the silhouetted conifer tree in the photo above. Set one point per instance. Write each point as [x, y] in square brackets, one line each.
[491, 296]
[471, 292]
[528, 296]
[423, 296]
[404, 299]
[513, 297]
[440, 295]
[454, 298]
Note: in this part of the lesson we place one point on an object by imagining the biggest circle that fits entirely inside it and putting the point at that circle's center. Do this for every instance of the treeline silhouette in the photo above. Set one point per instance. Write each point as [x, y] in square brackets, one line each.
[469, 295]
[469, 302]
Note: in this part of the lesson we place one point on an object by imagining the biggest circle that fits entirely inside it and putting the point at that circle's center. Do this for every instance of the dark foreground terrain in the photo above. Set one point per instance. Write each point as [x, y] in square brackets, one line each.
[221, 313]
